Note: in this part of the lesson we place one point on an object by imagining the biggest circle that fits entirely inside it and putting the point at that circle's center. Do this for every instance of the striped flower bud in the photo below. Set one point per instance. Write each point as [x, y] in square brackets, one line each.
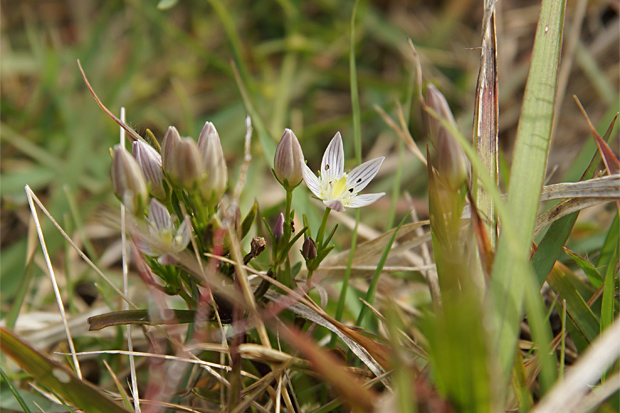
[150, 164]
[214, 185]
[449, 160]
[127, 179]
[185, 169]
[278, 228]
[169, 144]
[287, 165]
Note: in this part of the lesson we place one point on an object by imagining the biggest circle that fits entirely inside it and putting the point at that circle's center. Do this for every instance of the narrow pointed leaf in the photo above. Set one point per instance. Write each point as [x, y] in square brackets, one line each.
[56, 377]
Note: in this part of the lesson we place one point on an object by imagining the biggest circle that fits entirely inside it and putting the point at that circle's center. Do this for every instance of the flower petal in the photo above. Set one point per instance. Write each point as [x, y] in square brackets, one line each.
[363, 200]
[332, 166]
[145, 246]
[335, 204]
[361, 175]
[182, 237]
[159, 216]
[312, 182]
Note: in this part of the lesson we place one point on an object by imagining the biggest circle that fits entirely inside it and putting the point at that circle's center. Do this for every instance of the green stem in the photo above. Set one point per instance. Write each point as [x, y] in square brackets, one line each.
[372, 288]
[289, 201]
[319, 236]
[198, 210]
[191, 303]
[347, 275]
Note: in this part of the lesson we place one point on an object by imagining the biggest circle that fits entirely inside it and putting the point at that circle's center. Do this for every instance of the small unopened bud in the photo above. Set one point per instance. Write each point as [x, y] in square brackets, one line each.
[185, 168]
[169, 144]
[216, 179]
[450, 160]
[287, 164]
[128, 180]
[278, 228]
[150, 164]
[308, 249]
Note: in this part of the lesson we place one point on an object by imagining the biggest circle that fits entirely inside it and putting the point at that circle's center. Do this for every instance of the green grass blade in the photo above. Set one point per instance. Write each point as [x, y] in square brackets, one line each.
[593, 275]
[579, 312]
[355, 98]
[541, 335]
[235, 41]
[357, 134]
[59, 379]
[18, 396]
[372, 288]
[607, 308]
[526, 180]
[557, 234]
[611, 243]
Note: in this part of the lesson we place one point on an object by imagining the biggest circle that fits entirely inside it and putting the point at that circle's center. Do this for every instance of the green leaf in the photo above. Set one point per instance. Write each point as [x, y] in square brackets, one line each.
[607, 308]
[56, 377]
[511, 265]
[14, 391]
[579, 312]
[611, 243]
[595, 278]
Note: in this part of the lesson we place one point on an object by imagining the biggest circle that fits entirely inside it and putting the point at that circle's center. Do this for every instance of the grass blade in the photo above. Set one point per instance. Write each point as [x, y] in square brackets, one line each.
[56, 377]
[578, 310]
[372, 288]
[526, 180]
[607, 308]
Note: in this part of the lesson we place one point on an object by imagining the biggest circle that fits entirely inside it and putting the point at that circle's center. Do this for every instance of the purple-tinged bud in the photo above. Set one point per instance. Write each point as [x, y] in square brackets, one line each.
[278, 228]
[128, 180]
[308, 249]
[185, 167]
[449, 160]
[210, 148]
[287, 164]
[169, 145]
[150, 164]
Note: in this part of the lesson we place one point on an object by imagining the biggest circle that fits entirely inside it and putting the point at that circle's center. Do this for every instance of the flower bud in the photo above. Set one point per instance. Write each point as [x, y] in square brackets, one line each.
[278, 228]
[169, 144]
[210, 148]
[287, 165]
[150, 164]
[128, 180]
[308, 249]
[450, 160]
[185, 167]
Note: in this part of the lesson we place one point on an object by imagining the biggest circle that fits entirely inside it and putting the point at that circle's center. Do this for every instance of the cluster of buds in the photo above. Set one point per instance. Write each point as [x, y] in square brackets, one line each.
[449, 158]
[195, 166]
[184, 165]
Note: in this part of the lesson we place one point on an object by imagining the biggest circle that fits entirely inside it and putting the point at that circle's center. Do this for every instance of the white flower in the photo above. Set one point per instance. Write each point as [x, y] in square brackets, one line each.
[163, 236]
[336, 188]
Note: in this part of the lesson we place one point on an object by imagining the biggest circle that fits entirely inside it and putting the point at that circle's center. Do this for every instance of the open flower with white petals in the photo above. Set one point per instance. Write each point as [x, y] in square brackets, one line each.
[163, 236]
[337, 189]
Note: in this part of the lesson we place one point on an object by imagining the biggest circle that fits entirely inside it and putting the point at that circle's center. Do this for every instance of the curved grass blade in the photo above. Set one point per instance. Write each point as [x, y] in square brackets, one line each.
[18, 396]
[56, 377]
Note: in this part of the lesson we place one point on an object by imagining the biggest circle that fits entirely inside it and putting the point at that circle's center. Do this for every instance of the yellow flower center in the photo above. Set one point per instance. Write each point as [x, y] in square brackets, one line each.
[338, 187]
